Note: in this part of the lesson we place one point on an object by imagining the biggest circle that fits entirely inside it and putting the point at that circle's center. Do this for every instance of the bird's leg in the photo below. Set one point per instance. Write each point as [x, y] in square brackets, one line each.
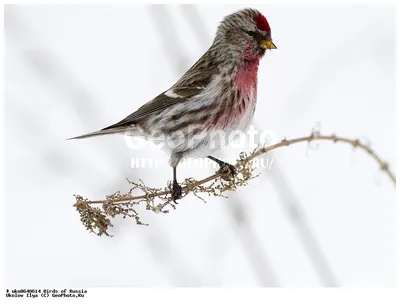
[227, 169]
[176, 188]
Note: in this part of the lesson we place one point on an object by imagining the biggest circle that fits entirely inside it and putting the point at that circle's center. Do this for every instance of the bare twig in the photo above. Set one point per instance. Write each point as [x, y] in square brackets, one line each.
[313, 137]
[91, 217]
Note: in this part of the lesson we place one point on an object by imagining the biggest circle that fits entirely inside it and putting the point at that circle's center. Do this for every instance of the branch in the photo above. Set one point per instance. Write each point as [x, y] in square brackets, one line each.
[122, 204]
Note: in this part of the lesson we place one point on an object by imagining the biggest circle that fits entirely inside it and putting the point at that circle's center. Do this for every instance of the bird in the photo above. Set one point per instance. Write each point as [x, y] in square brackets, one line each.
[216, 96]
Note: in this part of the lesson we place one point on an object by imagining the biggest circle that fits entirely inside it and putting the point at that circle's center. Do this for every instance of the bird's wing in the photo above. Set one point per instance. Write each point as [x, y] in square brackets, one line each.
[159, 103]
[193, 82]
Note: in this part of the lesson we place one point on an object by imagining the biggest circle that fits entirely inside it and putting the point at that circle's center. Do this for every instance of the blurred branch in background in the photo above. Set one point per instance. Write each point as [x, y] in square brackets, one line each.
[251, 246]
[292, 205]
[55, 74]
[171, 43]
[294, 211]
[195, 22]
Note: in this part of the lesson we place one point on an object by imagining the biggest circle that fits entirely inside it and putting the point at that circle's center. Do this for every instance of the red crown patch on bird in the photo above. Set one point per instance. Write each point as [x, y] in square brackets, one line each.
[262, 23]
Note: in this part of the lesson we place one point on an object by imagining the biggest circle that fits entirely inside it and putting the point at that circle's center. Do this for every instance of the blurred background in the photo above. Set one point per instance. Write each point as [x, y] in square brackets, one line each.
[323, 215]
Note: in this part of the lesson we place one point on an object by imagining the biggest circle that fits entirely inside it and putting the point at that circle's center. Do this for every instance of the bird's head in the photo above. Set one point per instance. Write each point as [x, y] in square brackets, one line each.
[245, 31]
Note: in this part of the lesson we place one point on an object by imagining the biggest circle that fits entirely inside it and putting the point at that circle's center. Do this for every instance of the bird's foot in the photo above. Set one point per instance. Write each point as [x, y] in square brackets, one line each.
[176, 191]
[228, 171]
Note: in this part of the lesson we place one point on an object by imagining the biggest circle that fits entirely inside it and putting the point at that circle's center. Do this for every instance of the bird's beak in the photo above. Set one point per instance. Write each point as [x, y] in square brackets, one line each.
[268, 44]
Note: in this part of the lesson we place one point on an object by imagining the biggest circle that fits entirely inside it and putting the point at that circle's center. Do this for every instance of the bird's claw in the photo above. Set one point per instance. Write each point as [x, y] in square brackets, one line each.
[228, 171]
[176, 191]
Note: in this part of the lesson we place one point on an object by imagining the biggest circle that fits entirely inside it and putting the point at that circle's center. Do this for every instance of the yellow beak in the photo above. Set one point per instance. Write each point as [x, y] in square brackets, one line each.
[268, 44]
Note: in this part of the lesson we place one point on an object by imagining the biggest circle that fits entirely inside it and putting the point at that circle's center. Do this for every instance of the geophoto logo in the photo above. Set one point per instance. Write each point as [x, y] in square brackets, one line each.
[209, 140]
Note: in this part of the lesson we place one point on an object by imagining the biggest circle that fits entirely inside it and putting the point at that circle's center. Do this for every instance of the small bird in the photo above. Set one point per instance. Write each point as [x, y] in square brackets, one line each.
[217, 95]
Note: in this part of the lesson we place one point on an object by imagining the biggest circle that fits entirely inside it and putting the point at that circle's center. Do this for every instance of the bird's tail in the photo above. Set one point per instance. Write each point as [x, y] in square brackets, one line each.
[120, 130]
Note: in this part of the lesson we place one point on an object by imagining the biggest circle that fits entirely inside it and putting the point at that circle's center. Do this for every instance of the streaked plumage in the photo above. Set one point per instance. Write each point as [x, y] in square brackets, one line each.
[218, 93]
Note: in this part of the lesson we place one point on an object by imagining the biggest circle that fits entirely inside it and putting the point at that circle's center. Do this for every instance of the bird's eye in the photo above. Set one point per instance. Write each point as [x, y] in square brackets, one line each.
[251, 33]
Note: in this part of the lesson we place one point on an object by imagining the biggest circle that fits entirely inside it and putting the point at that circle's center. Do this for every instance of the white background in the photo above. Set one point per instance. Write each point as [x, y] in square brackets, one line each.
[75, 69]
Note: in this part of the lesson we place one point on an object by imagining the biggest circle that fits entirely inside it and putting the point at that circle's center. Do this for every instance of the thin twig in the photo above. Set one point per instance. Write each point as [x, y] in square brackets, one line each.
[356, 143]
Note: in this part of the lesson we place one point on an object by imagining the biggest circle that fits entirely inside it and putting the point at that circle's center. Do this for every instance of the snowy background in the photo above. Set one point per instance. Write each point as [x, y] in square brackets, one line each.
[322, 216]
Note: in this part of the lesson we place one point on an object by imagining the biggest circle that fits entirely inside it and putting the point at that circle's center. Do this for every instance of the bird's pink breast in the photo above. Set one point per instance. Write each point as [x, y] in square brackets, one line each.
[242, 105]
[245, 81]
[245, 78]
[246, 74]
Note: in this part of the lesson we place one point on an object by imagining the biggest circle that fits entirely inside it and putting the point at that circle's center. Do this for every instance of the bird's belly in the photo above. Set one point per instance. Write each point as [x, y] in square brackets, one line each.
[220, 136]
